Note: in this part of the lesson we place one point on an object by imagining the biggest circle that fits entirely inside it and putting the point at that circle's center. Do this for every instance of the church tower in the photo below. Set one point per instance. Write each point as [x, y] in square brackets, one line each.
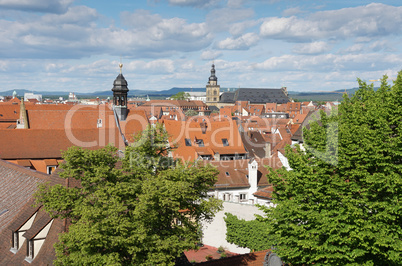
[120, 91]
[213, 89]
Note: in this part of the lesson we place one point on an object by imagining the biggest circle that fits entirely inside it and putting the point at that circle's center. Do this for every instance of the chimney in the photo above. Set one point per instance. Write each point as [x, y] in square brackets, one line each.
[23, 121]
[203, 127]
[252, 176]
[267, 149]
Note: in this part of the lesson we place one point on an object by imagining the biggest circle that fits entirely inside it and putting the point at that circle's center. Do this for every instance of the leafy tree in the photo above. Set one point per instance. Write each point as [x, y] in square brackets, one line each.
[319, 103]
[342, 202]
[247, 234]
[180, 96]
[191, 112]
[127, 215]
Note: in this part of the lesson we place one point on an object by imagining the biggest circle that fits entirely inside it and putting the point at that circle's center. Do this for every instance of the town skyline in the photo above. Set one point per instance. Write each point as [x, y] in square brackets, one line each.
[304, 46]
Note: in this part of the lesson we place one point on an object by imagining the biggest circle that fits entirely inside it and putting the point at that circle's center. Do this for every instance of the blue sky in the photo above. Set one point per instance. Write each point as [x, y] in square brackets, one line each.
[67, 45]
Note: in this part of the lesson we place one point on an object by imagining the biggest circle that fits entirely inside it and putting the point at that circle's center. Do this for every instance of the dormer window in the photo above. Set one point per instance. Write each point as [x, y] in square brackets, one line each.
[200, 142]
[17, 236]
[50, 169]
[99, 123]
[35, 241]
[225, 142]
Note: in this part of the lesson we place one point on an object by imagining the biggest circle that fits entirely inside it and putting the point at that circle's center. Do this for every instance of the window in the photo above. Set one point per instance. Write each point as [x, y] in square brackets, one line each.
[99, 123]
[243, 196]
[188, 142]
[225, 142]
[227, 173]
[17, 237]
[200, 142]
[35, 243]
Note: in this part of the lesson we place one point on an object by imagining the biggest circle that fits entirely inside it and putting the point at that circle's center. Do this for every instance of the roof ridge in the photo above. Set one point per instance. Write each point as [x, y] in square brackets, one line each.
[23, 169]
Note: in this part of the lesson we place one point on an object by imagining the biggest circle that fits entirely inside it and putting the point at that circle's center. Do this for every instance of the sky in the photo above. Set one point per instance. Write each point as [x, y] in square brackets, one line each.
[306, 46]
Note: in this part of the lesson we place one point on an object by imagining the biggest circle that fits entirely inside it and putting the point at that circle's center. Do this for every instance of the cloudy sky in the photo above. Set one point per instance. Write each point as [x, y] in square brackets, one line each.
[76, 45]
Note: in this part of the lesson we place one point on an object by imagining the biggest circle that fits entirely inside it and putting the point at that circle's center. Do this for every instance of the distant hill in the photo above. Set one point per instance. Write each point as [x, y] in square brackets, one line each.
[336, 95]
[303, 96]
[109, 93]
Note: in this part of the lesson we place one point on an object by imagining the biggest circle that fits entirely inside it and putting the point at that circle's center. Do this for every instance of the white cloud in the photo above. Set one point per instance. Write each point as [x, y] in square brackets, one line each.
[75, 34]
[329, 62]
[372, 20]
[354, 49]
[380, 45]
[237, 29]
[312, 48]
[243, 42]
[210, 55]
[222, 19]
[292, 11]
[77, 15]
[47, 6]
[140, 19]
[194, 3]
[235, 3]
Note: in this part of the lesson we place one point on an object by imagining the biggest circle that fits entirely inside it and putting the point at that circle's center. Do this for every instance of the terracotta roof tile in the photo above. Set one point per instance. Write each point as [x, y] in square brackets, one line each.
[251, 259]
[38, 143]
[265, 192]
[17, 184]
[215, 132]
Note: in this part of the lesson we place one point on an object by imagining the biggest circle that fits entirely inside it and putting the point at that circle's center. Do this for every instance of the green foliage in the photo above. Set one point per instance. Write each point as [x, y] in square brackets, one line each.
[191, 112]
[247, 234]
[342, 202]
[180, 96]
[125, 216]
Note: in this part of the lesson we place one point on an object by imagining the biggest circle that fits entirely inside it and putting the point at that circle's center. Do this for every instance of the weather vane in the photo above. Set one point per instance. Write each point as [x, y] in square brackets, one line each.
[121, 66]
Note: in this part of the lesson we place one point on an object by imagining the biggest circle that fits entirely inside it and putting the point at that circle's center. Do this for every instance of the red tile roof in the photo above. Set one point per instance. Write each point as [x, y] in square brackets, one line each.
[234, 173]
[265, 192]
[249, 259]
[200, 254]
[215, 131]
[9, 112]
[38, 143]
[17, 184]
[136, 122]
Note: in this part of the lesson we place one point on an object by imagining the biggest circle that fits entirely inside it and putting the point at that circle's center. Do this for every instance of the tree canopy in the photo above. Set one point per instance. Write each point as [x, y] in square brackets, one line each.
[142, 209]
[191, 112]
[180, 96]
[341, 203]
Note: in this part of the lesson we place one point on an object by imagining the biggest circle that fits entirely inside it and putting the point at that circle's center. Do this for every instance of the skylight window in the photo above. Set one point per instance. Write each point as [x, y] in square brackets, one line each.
[200, 142]
[188, 142]
[225, 142]
[227, 173]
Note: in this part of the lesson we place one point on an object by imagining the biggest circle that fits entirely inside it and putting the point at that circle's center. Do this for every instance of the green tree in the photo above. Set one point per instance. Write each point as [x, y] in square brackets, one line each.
[180, 96]
[191, 112]
[128, 215]
[247, 234]
[342, 202]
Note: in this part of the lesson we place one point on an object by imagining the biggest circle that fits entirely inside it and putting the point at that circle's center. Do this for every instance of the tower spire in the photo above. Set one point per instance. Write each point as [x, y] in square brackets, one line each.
[120, 91]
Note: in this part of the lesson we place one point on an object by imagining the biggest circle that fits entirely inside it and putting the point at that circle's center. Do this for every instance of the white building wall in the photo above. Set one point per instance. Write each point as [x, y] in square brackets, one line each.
[215, 232]
[284, 161]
